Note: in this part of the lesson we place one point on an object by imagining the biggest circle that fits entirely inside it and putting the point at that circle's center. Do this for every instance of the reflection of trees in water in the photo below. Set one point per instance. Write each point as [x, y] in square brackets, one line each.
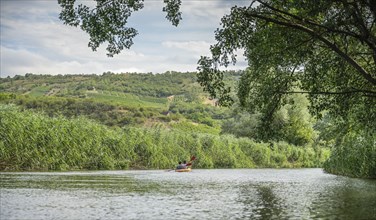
[90, 181]
[350, 199]
[260, 202]
[339, 198]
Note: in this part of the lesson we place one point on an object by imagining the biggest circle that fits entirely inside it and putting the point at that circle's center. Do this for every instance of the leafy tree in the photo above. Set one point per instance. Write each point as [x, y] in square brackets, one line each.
[242, 124]
[326, 49]
[292, 123]
[107, 21]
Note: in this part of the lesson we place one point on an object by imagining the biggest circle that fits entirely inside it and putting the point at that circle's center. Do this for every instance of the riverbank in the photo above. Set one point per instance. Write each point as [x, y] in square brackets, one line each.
[33, 141]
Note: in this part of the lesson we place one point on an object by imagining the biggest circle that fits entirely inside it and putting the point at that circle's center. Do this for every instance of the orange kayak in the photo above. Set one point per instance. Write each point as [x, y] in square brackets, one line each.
[184, 170]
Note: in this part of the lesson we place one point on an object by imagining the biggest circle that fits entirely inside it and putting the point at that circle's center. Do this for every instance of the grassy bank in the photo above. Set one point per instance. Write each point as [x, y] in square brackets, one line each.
[34, 141]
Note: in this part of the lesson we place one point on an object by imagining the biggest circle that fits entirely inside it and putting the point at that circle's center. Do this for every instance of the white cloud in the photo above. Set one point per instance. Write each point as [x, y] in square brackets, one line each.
[196, 47]
[33, 39]
[21, 61]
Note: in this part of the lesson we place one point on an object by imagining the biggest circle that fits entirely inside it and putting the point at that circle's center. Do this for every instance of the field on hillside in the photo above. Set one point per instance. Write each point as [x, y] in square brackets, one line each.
[118, 99]
[150, 107]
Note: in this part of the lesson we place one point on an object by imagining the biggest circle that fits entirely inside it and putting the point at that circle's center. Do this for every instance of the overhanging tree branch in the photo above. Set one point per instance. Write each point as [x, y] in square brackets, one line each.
[365, 92]
[313, 33]
[367, 37]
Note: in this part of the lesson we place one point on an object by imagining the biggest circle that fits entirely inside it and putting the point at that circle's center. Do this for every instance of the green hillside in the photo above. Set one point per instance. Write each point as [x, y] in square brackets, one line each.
[117, 99]
[118, 121]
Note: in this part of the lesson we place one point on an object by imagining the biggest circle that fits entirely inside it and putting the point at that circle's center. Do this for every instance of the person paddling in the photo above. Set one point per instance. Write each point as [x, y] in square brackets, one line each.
[185, 165]
[181, 166]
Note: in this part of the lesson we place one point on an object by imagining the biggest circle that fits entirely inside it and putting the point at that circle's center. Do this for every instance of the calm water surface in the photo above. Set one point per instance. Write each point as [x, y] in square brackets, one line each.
[200, 194]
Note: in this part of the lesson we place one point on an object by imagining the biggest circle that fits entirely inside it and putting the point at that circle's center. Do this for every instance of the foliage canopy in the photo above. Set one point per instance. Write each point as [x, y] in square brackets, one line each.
[106, 22]
[325, 49]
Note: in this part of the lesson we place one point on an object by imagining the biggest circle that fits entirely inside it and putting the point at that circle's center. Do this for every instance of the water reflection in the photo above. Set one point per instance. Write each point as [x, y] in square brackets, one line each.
[260, 202]
[78, 181]
[201, 194]
[347, 199]
[268, 203]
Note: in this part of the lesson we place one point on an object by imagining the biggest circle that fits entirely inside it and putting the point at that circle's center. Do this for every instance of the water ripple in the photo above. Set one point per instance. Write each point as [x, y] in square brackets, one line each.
[200, 194]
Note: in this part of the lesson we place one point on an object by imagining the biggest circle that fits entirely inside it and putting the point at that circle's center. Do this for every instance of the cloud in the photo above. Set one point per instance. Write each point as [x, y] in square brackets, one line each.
[21, 61]
[208, 13]
[33, 39]
[196, 47]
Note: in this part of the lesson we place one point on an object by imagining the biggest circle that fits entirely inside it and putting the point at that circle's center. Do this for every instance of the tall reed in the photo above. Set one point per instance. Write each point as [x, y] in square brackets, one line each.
[354, 154]
[34, 141]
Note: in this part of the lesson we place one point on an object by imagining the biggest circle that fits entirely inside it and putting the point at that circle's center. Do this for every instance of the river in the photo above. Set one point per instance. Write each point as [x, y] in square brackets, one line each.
[200, 194]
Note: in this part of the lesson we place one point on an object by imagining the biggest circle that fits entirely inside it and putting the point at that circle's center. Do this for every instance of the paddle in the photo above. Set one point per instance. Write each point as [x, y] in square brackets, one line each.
[190, 162]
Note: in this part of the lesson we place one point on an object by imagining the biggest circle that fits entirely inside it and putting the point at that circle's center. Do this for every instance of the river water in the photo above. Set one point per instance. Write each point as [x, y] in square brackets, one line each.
[200, 194]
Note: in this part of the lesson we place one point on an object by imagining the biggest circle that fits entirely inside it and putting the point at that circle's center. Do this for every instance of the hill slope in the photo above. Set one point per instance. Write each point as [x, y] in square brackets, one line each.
[119, 99]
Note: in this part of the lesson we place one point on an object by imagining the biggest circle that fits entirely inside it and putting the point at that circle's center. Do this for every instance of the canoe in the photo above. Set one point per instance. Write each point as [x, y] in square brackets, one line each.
[184, 170]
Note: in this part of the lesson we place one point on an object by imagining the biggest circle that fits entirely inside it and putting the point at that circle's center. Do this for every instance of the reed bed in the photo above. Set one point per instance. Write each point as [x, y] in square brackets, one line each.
[35, 141]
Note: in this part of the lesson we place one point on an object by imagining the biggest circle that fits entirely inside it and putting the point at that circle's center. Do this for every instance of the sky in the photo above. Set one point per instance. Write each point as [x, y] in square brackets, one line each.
[34, 40]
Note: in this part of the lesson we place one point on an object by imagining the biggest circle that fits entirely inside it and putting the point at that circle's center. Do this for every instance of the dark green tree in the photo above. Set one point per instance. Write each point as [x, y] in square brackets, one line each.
[106, 22]
[291, 123]
[325, 49]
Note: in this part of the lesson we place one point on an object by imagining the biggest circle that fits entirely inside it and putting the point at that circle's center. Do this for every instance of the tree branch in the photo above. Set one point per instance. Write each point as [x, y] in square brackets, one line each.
[335, 48]
[365, 92]
[366, 35]
[311, 22]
